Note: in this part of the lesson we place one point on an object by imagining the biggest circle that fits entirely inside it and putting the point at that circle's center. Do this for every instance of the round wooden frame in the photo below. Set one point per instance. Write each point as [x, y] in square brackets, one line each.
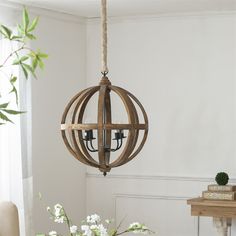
[72, 126]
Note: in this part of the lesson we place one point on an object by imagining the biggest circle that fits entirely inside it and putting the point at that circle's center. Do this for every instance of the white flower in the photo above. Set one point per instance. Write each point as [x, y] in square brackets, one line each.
[58, 206]
[102, 230]
[107, 221]
[59, 220]
[94, 227]
[48, 208]
[53, 233]
[87, 230]
[73, 229]
[93, 219]
[59, 214]
[138, 228]
[134, 225]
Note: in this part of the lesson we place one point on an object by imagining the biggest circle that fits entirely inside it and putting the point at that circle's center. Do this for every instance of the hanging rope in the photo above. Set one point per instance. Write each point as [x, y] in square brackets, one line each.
[104, 37]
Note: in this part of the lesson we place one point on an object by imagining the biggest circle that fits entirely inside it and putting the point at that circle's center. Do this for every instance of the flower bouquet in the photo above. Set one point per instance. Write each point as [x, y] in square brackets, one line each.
[92, 226]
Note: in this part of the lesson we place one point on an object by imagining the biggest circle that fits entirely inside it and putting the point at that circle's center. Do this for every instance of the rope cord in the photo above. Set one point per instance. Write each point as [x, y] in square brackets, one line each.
[104, 37]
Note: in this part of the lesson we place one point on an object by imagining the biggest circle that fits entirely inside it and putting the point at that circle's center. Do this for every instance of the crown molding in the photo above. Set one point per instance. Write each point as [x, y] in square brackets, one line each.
[156, 177]
[164, 16]
[53, 14]
[61, 15]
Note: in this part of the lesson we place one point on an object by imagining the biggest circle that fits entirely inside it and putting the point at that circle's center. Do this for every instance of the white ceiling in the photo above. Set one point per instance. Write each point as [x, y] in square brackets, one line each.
[91, 8]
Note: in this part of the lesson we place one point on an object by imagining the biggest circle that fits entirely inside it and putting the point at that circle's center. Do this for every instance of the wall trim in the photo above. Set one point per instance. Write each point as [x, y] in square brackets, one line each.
[156, 177]
[154, 197]
[158, 197]
[54, 14]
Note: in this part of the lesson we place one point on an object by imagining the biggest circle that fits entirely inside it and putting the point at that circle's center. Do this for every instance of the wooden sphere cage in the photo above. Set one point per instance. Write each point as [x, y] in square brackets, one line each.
[73, 128]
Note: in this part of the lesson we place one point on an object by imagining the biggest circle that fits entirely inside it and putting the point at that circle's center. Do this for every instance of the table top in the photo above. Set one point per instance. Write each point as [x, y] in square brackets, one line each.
[217, 203]
[212, 208]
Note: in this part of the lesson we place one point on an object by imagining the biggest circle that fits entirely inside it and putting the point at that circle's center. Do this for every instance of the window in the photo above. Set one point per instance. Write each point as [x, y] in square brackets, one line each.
[11, 181]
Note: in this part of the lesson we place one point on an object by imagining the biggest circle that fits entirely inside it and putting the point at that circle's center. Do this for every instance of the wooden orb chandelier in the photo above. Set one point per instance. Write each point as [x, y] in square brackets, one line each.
[78, 135]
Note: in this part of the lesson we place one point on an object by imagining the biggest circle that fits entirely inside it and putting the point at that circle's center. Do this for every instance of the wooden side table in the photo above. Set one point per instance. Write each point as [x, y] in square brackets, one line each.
[221, 211]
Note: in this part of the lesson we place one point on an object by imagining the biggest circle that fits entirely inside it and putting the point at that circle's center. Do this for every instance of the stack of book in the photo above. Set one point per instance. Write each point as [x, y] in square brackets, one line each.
[220, 192]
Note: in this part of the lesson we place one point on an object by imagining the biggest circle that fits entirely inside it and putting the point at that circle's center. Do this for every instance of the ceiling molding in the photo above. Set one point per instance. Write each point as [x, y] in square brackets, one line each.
[61, 15]
[162, 16]
[53, 14]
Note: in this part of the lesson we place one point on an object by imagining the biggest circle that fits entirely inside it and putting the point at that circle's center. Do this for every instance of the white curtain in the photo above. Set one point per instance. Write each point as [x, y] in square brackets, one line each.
[15, 171]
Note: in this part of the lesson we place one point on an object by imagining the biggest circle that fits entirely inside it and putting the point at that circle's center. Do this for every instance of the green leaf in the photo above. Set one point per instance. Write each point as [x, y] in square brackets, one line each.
[13, 79]
[42, 55]
[6, 31]
[3, 33]
[19, 60]
[41, 64]
[17, 38]
[32, 54]
[20, 29]
[14, 90]
[29, 68]
[35, 63]
[25, 19]
[12, 112]
[4, 105]
[4, 117]
[24, 70]
[33, 25]
[30, 36]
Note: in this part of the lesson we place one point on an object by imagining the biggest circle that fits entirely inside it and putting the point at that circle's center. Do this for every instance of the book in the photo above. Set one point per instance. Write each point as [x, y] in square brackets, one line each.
[213, 195]
[221, 188]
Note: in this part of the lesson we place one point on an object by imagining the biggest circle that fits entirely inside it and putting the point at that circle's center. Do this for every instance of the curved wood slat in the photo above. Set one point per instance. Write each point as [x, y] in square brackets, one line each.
[81, 156]
[65, 113]
[146, 130]
[107, 132]
[141, 107]
[80, 133]
[75, 154]
[79, 126]
[100, 136]
[105, 126]
[131, 135]
[132, 108]
[73, 147]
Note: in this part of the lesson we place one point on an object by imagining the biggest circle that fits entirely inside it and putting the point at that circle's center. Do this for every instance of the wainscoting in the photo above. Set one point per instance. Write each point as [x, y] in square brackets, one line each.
[159, 201]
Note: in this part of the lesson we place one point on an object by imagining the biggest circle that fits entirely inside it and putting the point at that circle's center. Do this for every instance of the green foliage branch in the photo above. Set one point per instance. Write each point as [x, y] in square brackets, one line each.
[26, 58]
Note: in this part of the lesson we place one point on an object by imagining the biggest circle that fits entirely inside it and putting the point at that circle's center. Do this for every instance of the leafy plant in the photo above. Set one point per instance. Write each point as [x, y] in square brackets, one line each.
[21, 55]
[222, 178]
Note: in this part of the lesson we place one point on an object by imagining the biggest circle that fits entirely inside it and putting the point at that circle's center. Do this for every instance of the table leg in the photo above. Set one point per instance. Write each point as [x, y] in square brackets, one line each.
[222, 225]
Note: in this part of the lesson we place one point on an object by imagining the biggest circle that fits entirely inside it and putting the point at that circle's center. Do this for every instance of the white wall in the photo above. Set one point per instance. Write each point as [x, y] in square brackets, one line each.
[182, 68]
[56, 174]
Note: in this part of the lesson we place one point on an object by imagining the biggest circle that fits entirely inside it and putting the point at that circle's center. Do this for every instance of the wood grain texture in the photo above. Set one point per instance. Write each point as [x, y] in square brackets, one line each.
[212, 208]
